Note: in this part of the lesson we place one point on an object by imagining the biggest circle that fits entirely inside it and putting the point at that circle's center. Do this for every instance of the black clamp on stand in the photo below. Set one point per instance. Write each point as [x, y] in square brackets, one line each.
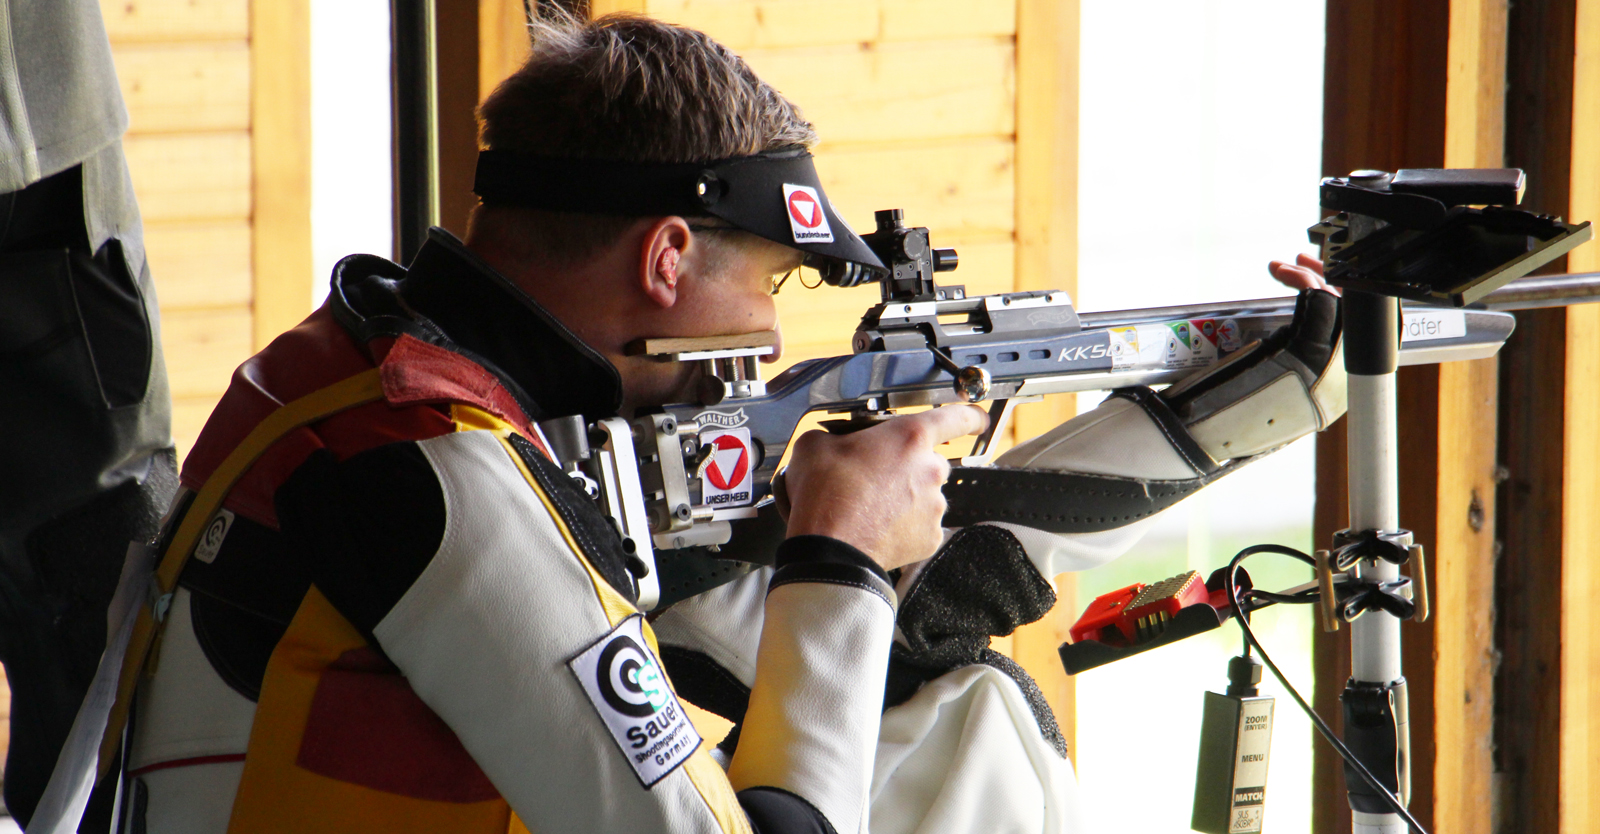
[1375, 714]
[1346, 596]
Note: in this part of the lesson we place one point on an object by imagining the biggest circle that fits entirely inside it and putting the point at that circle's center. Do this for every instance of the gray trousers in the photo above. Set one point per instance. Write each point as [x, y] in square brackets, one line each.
[86, 458]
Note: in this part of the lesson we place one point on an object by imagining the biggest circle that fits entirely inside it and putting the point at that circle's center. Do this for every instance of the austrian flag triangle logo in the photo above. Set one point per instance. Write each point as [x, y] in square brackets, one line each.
[805, 210]
[728, 472]
[729, 460]
[806, 218]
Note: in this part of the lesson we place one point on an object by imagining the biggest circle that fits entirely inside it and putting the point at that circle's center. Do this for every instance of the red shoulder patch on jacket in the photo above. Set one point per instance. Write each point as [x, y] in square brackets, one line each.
[417, 372]
[418, 379]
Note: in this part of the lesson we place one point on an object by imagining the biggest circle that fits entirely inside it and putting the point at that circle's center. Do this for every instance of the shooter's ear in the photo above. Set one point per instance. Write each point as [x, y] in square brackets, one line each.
[661, 253]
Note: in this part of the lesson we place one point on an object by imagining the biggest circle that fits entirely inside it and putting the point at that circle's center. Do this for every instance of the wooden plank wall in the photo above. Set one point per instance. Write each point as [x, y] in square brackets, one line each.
[218, 147]
[185, 71]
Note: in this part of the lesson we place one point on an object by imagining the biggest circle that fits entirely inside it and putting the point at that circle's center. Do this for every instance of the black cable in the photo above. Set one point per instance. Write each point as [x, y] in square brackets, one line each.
[1241, 612]
[1302, 598]
[1270, 548]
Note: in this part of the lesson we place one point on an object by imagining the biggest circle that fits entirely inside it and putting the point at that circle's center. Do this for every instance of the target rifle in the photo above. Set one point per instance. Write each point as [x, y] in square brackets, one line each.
[689, 485]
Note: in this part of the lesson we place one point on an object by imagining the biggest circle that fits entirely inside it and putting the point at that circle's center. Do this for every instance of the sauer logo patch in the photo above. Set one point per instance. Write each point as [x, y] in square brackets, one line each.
[211, 540]
[625, 683]
[806, 218]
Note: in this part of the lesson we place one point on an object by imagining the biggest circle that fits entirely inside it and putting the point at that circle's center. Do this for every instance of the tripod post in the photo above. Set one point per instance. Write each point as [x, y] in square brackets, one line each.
[1375, 706]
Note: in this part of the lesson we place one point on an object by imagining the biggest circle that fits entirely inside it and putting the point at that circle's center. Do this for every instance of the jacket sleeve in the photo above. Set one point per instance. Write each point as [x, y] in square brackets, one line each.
[963, 752]
[513, 622]
[1140, 452]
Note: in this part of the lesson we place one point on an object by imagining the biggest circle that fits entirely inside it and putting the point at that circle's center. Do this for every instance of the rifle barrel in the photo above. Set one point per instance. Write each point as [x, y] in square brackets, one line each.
[1537, 291]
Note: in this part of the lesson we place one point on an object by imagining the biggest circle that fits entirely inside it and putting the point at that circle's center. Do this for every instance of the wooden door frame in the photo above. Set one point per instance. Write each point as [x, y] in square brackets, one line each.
[280, 157]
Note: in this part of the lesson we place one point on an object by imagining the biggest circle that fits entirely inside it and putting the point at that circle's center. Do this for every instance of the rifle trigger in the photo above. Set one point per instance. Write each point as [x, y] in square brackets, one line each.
[999, 413]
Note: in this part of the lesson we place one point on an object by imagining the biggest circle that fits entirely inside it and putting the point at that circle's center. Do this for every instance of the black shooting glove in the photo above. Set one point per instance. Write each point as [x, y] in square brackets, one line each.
[980, 584]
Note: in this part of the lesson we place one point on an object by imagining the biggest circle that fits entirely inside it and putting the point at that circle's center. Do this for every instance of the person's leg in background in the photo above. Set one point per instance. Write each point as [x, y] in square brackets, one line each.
[86, 457]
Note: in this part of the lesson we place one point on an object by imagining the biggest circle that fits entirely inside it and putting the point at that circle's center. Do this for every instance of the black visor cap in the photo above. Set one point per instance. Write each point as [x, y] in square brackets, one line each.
[774, 195]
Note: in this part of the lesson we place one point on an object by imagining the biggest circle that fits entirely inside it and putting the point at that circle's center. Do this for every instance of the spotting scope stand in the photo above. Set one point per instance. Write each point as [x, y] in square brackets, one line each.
[1444, 237]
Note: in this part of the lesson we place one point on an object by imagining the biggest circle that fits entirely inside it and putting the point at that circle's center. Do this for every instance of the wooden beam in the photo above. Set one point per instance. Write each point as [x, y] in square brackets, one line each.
[1046, 179]
[1529, 571]
[1463, 549]
[456, 33]
[1047, 258]
[1580, 545]
[1529, 576]
[280, 142]
[1462, 572]
[1475, 89]
[1330, 661]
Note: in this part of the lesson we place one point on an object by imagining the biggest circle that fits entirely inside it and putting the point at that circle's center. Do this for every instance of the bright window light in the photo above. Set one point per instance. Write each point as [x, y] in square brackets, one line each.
[1200, 143]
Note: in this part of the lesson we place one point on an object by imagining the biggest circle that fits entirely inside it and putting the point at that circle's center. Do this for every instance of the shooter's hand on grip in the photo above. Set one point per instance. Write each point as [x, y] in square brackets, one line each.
[878, 489]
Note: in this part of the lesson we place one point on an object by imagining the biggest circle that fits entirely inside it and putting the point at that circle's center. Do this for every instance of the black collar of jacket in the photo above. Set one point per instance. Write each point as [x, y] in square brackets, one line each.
[449, 297]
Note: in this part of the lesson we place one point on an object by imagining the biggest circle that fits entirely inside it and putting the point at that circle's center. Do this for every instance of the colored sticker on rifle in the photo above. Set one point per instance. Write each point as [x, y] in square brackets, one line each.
[1228, 337]
[806, 217]
[1186, 348]
[1181, 334]
[1124, 347]
[1148, 346]
[727, 478]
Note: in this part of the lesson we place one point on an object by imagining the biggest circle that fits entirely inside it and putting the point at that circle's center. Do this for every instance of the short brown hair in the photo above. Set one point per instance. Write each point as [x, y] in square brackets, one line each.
[626, 88]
